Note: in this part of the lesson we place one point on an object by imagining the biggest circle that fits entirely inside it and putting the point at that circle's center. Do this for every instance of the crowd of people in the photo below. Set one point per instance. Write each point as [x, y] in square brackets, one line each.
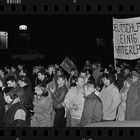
[51, 97]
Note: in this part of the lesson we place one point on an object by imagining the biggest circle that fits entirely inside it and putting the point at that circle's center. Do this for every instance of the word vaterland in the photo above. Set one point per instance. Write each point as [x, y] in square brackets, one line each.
[13, 1]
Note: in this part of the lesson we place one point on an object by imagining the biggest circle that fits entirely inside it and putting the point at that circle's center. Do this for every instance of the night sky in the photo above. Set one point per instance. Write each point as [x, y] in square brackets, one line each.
[61, 36]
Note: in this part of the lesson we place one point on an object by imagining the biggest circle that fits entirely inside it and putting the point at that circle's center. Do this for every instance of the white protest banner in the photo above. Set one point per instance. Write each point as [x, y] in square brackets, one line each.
[126, 38]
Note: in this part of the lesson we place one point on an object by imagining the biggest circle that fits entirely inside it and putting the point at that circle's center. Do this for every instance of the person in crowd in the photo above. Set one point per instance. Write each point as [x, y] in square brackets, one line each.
[42, 78]
[7, 69]
[2, 103]
[2, 73]
[11, 71]
[120, 78]
[42, 108]
[89, 76]
[93, 108]
[15, 112]
[133, 99]
[123, 94]
[28, 94]
[87, 65]
[51, 72]
[11, 81]
[72, 78]
[59, 72]
[58, 97]
[74, 103]
[110, 98]
[20, 66]
[96, 71]
[23, 72]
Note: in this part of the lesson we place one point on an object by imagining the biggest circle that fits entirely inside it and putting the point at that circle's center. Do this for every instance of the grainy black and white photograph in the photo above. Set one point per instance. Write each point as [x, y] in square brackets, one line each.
[69, 71]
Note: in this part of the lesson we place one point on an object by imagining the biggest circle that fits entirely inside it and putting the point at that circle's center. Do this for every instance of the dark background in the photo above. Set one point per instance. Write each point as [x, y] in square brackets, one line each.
[60, 36]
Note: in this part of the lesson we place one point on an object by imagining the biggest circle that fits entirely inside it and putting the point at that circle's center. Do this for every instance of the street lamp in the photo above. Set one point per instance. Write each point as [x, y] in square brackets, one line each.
[23, 27]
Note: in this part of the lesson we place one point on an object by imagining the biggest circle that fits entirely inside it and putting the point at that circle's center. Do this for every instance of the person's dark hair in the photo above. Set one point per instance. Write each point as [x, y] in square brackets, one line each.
[10, 91]
[89, 70]
[7, 67]
[82, 71]
[13, 66]
[63, 77]
[10, 78]
[22, 78]
[25, 70]
[3, 70]
[91, 80]
[108, 76]
[42, 72]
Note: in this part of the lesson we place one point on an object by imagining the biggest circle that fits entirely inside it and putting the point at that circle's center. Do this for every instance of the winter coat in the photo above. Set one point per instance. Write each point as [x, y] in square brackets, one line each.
[93, 110]
[42, 112]
[133, 102]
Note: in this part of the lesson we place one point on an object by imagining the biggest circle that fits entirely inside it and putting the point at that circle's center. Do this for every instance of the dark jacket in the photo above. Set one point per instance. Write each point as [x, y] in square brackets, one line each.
[92, 111]
[2, 108]
[133, 102]
[9, 116]
[58, 96]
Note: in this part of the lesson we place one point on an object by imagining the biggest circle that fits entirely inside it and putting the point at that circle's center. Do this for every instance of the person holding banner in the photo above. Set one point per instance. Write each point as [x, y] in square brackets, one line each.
[58, 97]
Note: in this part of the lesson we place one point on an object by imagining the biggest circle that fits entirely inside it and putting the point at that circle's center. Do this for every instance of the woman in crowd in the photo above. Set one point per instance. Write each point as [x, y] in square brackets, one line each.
[42, 108]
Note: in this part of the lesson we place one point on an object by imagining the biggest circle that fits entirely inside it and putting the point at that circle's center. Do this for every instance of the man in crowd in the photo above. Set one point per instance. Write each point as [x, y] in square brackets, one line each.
[133, 99]
[58, 97]
[93, 109]
[42, 79]
[110, 98]
[15, 113]
[74, 103]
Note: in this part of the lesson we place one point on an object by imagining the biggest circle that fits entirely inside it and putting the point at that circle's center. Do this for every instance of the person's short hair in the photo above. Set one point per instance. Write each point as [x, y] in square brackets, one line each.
[63, 77]
[108, 76]
[89, 70]
[25, 70]
[2, 69]
[89, 85]
[10, 78]
[22, 78]
[82, 71]
[9, 91]
[42, 72]
[13, 66]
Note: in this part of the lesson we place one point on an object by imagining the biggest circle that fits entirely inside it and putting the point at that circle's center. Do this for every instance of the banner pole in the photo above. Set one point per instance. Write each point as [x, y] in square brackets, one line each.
[115, 68]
